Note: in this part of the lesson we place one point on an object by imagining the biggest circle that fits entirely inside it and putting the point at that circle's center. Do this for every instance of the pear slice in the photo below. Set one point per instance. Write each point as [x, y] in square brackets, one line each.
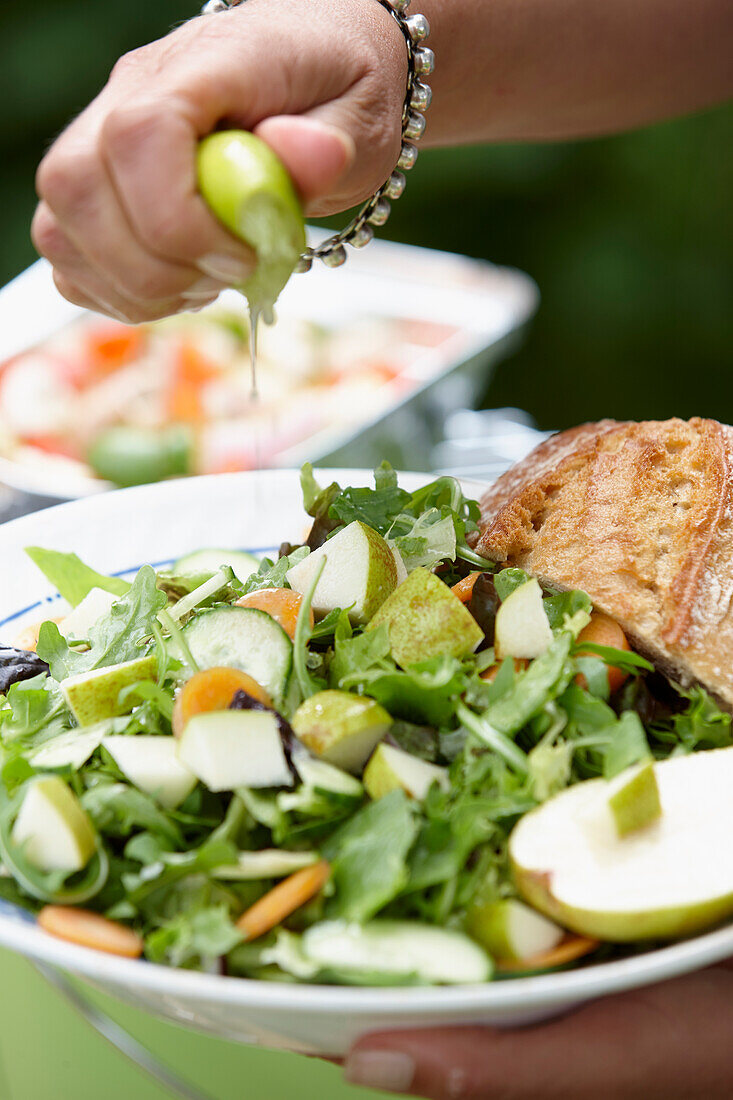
[71, 749]
[227, 749]
[510, 931]
[401, 567]
[151, 763]
[634, 798]
[425, 619]
[96, 603]
[341, 728]
[390, 768]
[360, 573]
[670, 879]
[267, 863]
[522, 628]
[94, 695]
[52, 828]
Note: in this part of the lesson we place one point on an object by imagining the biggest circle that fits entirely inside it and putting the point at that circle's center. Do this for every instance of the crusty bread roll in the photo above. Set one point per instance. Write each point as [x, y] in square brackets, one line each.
[640, 516]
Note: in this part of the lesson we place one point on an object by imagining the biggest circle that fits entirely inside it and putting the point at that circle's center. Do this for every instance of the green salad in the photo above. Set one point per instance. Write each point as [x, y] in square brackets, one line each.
[373, 759]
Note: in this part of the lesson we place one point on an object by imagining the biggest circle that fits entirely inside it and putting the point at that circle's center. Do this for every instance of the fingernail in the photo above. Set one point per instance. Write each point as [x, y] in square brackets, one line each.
[206, 287]
[389, 1070]
[227, 269]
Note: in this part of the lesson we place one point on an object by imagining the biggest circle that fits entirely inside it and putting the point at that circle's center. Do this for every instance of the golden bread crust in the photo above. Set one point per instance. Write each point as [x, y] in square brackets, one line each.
[640, 516]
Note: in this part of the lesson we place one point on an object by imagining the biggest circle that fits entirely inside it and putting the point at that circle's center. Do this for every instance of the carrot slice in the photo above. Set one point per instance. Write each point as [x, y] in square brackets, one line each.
[283, 899]
[282, 604]
[520, 663]
[28, 638]
[567, 951]
[90, 930]
[111, 346]
[602, 630]
[213, 689]
[464, 588]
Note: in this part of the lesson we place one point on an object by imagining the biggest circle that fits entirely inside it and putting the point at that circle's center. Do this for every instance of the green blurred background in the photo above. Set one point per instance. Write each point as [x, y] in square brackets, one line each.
[630, 241]
[629, 237]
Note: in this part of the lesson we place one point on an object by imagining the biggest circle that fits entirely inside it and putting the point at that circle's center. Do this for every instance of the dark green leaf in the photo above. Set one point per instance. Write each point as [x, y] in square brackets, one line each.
[369, 857]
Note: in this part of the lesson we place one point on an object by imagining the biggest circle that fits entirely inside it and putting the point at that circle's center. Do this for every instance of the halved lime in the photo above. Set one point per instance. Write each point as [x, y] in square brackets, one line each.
[248, 189]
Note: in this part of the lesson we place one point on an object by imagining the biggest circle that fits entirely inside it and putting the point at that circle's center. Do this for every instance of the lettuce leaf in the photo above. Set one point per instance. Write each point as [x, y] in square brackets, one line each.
[116, 637]
[72, 579]
[369, 857]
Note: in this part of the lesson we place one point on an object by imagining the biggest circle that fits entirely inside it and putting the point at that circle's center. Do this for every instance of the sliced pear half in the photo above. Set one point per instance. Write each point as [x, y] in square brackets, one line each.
[670, 879]
[359, 574]
[522, 627]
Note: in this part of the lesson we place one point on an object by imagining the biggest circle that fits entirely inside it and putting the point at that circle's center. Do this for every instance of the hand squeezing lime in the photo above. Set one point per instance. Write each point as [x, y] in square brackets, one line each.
[248, 189]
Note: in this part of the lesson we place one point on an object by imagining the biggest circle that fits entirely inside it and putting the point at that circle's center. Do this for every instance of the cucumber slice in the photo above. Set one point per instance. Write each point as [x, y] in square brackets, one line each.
[399, 948]
[267, 863]
[244, 638]
[211, 561]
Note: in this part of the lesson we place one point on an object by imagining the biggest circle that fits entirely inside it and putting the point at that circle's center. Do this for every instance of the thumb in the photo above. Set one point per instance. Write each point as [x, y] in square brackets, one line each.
[317, 154]
[670, 1040]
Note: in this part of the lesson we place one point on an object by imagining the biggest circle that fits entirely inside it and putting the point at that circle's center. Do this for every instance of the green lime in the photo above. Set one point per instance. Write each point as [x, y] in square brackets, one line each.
[248, 189]
[128, 455]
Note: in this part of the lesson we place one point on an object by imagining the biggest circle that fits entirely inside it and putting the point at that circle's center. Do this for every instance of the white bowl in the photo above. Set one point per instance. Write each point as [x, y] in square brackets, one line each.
[117, 532]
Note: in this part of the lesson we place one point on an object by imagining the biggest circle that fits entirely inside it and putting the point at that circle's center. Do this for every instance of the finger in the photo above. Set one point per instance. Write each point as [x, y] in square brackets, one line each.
[53, 242]
[75, 187]
[91, 292]
[316, 154]
[84, 286]
[375, 129]
[670, 1040]
[165, 208]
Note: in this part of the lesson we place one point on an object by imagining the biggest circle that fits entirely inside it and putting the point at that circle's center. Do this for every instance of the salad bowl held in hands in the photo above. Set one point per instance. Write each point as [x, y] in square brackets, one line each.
[376, 814]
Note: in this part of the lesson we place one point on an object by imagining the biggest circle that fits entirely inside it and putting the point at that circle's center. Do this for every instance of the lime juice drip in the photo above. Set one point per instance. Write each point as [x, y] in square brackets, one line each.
[254, 323]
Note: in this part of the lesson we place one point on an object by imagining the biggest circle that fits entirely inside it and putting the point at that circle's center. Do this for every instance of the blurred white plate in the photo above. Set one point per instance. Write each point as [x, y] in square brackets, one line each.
[487, 306]
[116, 532]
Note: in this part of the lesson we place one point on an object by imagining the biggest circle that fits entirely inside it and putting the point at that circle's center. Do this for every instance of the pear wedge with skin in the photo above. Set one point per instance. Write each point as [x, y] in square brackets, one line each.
[425, 619]
[391, 769]
[359, 574]
[93, 696]
[52, 828]
[671, 878]
[341, 728]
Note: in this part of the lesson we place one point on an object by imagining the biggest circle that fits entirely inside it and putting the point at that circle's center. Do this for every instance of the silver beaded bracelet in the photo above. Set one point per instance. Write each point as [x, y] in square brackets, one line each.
[375, 212]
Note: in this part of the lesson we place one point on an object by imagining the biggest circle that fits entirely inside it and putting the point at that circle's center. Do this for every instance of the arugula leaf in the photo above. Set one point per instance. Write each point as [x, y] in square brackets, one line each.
[376, 507]
[627, 745]
[194, 939]
[420, 741]
[72, 579]
[701, 725]
[566, 607]
[545, 679]
[369, 857]
[550, 767]
[356, 655]
[117, 810]
[430, 540]
[154, 887]
[426, 692]
[273, 574]
[624, 659]
[316, 500]
[596, 675]
[34, 712]
[114, 638]
[586, 714]
[507, 580]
